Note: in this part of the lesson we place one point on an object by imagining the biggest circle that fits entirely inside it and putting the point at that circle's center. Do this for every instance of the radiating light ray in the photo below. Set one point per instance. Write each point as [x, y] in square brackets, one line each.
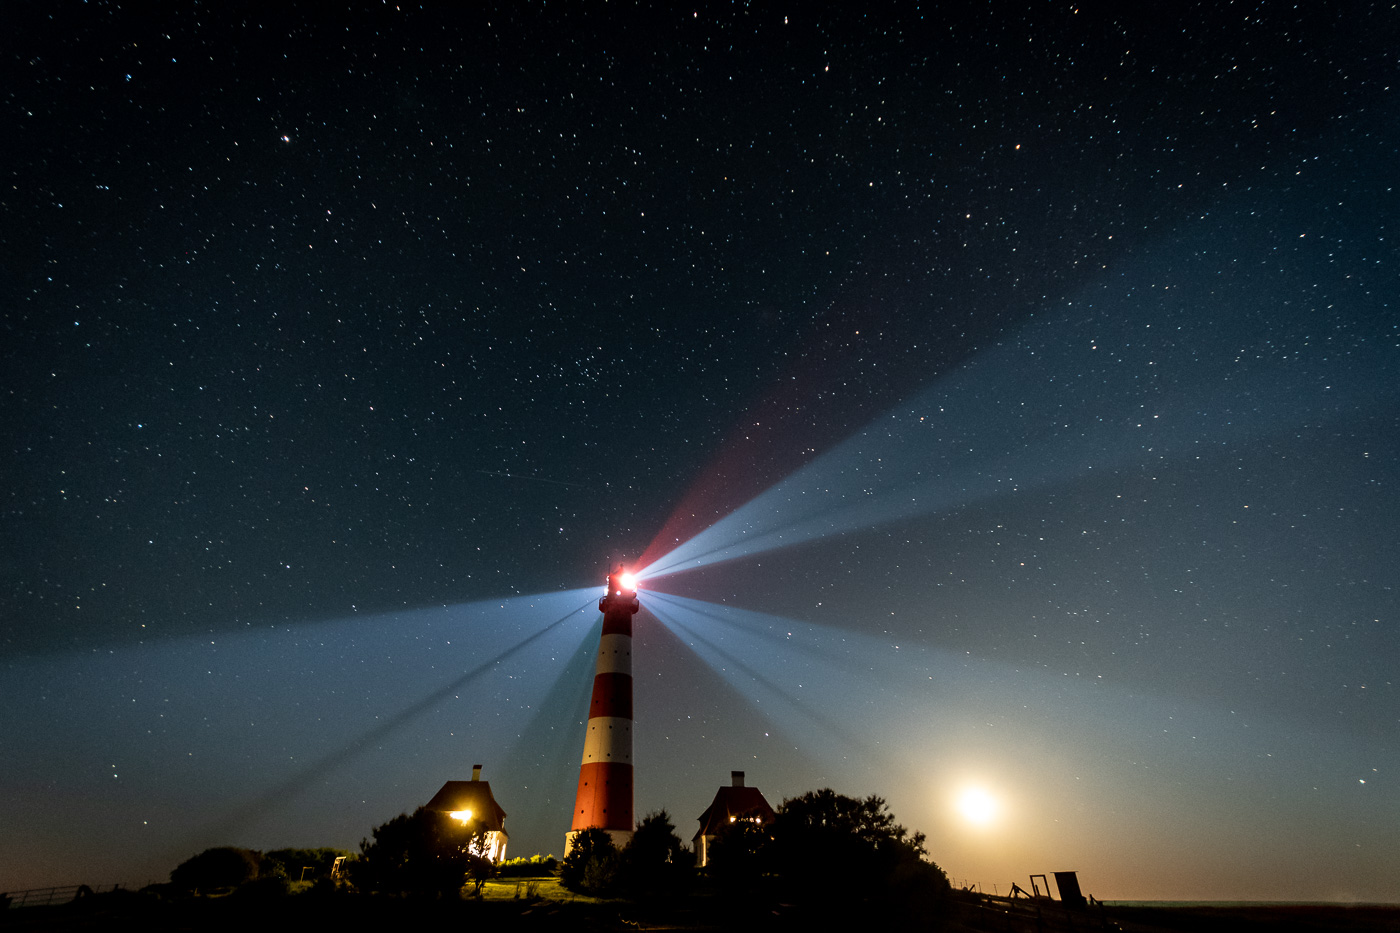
[316, 698]
[1031, 413]
[543, 758]
[924, 713]
[851, 701]
[762, 691]
[285, 791]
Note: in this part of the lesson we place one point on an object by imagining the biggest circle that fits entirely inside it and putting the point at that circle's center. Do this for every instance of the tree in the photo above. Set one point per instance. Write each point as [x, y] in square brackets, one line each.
[291, 862]
[426, 854]
[823, 836]
[592, 863]
[480, 870]
[739, 856]
[656, 862]
[222, 867]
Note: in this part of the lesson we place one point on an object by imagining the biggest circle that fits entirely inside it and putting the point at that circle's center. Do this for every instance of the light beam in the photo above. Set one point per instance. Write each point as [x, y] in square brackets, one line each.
[1062, 400]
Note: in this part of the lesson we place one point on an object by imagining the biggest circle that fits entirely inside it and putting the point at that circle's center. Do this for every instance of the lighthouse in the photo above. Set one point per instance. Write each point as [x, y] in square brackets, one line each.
[604, 799]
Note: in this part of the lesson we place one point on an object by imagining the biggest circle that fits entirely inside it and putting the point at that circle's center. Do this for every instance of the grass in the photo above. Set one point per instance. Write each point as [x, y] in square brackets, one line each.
[546, 888]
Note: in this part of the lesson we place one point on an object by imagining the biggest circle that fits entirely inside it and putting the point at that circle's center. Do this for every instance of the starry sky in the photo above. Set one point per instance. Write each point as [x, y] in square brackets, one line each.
[998, 399]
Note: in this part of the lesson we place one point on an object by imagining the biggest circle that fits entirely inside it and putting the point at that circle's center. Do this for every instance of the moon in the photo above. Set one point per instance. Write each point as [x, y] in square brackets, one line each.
[977, 806]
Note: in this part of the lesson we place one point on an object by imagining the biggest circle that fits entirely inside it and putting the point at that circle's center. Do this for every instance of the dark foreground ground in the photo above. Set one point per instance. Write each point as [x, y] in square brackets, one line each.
[350, 912]
[1297, 919]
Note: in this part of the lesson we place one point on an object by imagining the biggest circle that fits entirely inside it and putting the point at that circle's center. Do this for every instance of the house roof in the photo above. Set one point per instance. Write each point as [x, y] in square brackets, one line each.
[733, 802]
[470, 795]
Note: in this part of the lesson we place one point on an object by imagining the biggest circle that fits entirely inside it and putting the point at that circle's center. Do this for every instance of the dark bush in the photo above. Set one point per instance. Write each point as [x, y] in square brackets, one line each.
[592, 863]
[289, 863]
[739, 856]
[264, 888]
[216, 869]
[323, 887]
[841, 851]
[656, 863]
[601, 874]
[426, 854]
[533, 867]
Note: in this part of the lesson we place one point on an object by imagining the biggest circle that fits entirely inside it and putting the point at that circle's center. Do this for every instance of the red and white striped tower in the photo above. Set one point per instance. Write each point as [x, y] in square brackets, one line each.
[604, 797]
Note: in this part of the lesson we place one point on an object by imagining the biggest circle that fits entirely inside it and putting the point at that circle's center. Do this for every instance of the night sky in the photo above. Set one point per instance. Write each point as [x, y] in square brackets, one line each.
[997, 399]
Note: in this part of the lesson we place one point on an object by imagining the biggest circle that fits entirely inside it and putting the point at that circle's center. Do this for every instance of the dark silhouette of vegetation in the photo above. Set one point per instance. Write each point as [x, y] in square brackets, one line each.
[291, 863]
[162, 908]
[479, 870]
[532, 867]
[216, 869]
[739, 857]
[822, 828]
[592, 864]
[252, 874]
[841, 854]
[824, 859]
[263, 888]
[656, 863]
[428, 854]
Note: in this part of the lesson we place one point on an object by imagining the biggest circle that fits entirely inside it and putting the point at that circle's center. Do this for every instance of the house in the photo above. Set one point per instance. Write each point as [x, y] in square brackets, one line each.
[472, 802]
[732, 803]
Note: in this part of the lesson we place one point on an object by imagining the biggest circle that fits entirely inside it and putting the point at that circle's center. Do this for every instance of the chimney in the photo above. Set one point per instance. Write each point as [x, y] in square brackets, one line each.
[476, 772]
[737, 777]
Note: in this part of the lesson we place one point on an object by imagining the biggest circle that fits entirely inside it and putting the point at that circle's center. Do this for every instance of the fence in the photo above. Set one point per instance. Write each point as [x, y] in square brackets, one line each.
[1031, 915]
[64, 894]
